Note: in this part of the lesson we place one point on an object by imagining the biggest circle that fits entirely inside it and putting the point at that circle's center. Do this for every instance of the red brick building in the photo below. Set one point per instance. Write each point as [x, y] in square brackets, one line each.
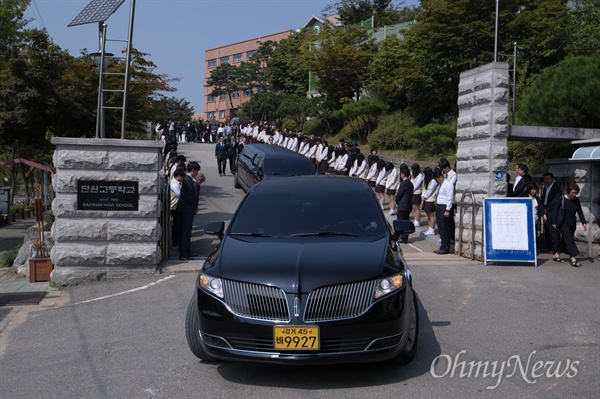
[219, 107]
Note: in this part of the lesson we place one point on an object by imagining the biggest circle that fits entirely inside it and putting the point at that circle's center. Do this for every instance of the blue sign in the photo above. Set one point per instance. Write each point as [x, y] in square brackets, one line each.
[509, 230]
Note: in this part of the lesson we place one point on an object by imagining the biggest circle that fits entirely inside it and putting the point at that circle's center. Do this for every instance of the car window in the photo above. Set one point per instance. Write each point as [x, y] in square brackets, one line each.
[307, 213]
[288, 167]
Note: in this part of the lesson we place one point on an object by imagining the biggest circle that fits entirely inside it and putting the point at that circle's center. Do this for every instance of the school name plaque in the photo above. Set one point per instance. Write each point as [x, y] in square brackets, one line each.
[107, 195]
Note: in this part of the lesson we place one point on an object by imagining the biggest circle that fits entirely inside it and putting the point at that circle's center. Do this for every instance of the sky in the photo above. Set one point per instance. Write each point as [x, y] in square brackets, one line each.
[176, 33]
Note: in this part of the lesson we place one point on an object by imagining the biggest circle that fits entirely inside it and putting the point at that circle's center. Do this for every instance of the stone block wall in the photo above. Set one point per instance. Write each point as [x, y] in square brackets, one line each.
[482, 137]
[101, 245]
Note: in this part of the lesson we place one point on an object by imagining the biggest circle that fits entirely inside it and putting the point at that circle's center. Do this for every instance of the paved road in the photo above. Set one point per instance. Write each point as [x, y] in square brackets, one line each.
[125, 339]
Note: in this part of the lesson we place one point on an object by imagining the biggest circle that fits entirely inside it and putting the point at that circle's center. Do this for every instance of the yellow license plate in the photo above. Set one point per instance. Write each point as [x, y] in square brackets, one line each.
[296, 337]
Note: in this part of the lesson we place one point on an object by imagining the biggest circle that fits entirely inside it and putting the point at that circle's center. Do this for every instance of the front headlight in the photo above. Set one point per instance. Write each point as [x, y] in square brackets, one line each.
[389, 284]
[212, 285]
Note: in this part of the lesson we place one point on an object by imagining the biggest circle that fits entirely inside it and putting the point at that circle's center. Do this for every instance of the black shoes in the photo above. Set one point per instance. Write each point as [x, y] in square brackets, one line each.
[186, 258]
[439, 252]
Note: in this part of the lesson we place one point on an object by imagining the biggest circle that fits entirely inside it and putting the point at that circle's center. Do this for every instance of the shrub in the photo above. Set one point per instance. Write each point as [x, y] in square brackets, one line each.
[433, 139]
[8, 258]
[391, 131]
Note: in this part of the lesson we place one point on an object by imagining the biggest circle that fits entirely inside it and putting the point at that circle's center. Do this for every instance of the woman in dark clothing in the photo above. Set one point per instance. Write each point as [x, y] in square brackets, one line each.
[566, 227]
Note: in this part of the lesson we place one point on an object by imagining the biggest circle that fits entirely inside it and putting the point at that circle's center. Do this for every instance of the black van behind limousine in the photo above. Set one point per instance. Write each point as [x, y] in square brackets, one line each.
[264, 161]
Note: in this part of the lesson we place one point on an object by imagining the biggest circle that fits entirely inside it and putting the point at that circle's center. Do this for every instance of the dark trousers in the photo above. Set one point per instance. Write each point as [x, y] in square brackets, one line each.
[549, 233]
[184, 223]
[403, 215]
[221, 164]
[563, 240]
[444, 226]
[232, 165]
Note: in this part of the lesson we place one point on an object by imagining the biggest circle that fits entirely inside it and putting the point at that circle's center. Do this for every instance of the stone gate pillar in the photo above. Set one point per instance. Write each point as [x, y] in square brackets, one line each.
[482, 154]
[102, 237]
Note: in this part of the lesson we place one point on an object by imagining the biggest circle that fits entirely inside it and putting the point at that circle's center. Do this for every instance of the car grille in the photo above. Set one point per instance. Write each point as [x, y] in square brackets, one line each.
[334, 345]
[256, 301]
[339, 302]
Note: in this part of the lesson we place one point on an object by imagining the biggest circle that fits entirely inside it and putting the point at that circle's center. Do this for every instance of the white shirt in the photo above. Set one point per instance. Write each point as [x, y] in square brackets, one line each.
[393, 179]
[176, 187]
[451, 176]
[445, 195]
[417, 183]
[372, 175]
[381, 176]
[430, 191]
[341, 162]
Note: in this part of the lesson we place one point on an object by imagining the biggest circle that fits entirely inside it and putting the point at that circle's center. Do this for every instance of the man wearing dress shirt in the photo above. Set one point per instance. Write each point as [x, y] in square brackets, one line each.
[450, 175]
[444, 214]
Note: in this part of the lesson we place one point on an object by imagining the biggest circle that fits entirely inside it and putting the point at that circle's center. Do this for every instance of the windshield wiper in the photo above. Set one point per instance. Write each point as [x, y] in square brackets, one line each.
[250, 234]
[324, 234]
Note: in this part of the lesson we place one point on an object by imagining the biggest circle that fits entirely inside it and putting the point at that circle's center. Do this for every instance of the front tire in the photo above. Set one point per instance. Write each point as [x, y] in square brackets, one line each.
[192, 333]
[410, 348]
[236, 183]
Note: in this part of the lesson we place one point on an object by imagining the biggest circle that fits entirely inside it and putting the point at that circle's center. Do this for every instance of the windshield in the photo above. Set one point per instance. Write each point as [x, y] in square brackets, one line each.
[309, 213]
[288, 167]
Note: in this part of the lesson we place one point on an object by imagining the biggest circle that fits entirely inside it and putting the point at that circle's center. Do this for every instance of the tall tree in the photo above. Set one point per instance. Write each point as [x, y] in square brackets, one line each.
[384, 12]
[340, 60]
[286, 72]
[565, 95]
[223, 80]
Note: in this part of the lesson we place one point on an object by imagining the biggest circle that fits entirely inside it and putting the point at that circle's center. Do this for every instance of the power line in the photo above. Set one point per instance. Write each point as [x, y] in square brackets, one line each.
[38, 11]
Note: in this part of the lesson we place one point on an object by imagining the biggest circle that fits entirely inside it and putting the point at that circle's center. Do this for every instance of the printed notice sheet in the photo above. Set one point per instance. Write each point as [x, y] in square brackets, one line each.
[509, 226]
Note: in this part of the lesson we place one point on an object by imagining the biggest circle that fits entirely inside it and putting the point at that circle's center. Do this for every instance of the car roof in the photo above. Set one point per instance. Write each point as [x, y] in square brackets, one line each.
[312, 183]
[270, 149]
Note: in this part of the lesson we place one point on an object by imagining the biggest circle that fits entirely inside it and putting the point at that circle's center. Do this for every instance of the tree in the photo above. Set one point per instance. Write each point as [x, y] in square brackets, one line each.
[174, 109]
[386, 83]
[584, 27]
[28, 97]
[340, 61]
[564, 95]
[285, 71]
[384, 12]
[362, 116]
[223, 80]
[294, 107]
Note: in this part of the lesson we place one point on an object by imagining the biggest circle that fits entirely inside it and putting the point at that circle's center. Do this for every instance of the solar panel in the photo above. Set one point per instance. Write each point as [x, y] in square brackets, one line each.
[96, 11]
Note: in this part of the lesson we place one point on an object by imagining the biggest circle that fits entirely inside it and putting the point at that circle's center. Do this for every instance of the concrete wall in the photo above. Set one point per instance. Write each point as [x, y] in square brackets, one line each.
[482, 135]
[101, 245]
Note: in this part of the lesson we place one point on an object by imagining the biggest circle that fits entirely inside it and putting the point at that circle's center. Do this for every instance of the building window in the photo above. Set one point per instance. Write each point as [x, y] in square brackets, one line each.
[210, 115]
[235, 94]
[246, 93]
[238, 57]
[222, 114]
[212, 63]
[211, 99]
[250, 53]
[224, 60]
[222, 97]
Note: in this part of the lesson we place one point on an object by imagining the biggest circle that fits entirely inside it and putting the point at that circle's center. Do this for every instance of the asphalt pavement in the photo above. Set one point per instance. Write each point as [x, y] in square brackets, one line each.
[503, 331]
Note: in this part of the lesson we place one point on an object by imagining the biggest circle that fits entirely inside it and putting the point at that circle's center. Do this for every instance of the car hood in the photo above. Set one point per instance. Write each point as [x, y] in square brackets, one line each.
[300, 264]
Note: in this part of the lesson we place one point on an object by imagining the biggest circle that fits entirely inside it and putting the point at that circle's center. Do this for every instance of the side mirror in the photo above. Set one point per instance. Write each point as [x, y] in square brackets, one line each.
[215, 229]
[402, 227]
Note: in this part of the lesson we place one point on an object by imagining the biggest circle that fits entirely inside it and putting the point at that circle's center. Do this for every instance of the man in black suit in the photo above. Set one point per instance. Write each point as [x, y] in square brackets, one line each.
[522, 188]
[404, 196]
[221, 155]
[232, 151]
[186, 209]
[551, 191]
